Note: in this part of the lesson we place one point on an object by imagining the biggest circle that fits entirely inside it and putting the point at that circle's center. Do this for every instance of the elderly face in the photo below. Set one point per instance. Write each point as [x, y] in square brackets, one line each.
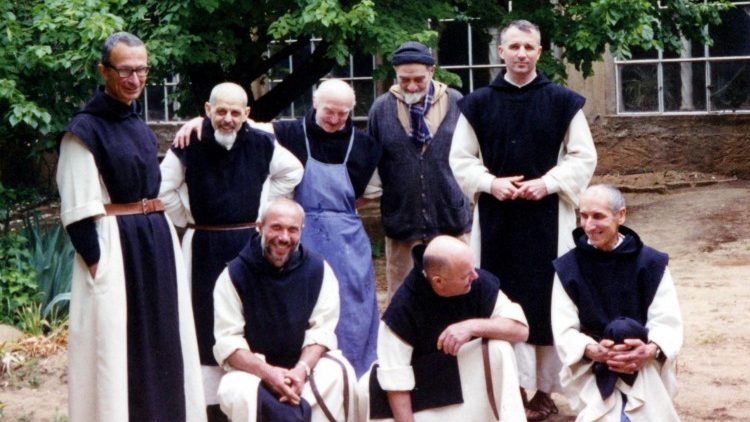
[414, 79]
[280, 231]
[599, 222]
[332, 112]
[456, 278]
[520, 50]
[124, 58]
[227, 114]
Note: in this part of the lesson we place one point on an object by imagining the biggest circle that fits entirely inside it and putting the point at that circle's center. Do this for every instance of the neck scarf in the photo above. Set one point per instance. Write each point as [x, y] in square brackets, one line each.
[420, 133]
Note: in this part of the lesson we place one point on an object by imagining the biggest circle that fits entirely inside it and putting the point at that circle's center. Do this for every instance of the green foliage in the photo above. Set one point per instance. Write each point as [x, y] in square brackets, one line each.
[49, 48]
[17, 283]
[51, 255]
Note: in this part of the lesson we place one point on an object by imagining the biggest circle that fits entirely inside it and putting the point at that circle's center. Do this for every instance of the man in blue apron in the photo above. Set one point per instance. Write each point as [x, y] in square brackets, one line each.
[339, 161]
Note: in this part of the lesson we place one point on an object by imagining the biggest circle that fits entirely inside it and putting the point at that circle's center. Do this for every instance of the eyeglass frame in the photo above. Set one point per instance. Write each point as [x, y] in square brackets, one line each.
[140, 72]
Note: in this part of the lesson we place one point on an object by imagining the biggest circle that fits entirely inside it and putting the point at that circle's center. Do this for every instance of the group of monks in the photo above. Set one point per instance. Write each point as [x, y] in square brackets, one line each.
[268, 309]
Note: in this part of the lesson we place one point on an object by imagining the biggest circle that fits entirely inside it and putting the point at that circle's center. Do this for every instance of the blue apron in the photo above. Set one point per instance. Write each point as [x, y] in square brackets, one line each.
[334, 230]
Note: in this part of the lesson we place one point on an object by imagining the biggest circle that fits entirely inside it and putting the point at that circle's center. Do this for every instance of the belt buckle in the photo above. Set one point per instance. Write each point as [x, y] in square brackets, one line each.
[144, 204]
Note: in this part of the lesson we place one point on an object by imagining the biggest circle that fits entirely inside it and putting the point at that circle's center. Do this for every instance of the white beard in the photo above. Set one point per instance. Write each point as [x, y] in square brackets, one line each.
[225, 139]
[413, 97]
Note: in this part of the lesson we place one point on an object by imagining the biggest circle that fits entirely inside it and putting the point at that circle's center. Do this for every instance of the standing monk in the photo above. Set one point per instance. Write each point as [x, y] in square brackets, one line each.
[523, 144]
[339, 161]
[414, 123]
[132, 346]
[214, 188]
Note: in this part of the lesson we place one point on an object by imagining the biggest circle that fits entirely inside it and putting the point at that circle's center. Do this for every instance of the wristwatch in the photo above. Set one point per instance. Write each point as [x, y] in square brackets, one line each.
[659, 355]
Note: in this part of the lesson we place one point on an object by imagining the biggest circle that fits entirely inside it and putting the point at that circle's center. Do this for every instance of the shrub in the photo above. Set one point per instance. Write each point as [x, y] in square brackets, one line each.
[18, 287]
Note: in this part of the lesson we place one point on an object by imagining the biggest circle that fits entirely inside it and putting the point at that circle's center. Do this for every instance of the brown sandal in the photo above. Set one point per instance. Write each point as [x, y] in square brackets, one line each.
[543, 403]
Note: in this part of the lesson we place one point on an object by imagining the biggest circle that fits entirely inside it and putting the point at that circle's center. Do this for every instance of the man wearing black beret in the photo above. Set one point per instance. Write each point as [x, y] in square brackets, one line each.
[414, 123]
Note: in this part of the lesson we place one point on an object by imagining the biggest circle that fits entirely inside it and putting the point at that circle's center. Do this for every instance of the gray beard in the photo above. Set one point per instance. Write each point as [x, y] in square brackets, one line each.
[225, 139]
[413, 98]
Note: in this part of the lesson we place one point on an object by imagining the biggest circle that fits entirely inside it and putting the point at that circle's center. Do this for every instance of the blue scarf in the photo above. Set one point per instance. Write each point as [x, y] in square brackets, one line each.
[420, 132]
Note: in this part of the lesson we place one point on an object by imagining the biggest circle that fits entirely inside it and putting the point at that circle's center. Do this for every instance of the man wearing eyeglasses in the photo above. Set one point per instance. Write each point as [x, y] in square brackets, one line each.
[132, 348]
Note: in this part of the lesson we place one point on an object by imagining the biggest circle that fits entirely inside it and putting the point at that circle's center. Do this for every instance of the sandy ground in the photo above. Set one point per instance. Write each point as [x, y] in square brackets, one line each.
[704, 230]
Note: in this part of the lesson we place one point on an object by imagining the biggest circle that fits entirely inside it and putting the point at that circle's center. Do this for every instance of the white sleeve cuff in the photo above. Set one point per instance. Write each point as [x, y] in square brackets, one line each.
[396, 379]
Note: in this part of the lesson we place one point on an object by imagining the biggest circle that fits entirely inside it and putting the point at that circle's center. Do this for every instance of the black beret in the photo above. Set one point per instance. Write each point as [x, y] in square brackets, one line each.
[412, 52]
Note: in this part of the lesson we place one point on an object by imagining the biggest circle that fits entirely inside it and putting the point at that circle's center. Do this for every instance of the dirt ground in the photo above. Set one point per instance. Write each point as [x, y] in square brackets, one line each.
[705, 231]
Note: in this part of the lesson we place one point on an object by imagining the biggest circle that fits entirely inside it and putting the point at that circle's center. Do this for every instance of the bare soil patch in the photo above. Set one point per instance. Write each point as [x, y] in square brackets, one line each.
[701, 223]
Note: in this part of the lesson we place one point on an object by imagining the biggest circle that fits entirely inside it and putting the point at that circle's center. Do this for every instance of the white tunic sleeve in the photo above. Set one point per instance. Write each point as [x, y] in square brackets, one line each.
[664, 318]
[576, 162]
[229, 321]
[81, 190]
[466, 160]
[570, 342]
[505, 308]
[325, 314]
[173, 190]
[284, 173]
[394, 361]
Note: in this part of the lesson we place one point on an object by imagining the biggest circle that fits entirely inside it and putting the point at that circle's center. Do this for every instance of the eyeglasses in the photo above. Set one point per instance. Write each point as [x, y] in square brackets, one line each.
[125, 72]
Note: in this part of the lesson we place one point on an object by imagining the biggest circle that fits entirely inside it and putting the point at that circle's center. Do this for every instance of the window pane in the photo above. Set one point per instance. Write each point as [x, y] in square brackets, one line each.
[639, 53]
[362, 64]
[155, 103]
[480, 47]
[340, 71]
[365, 93]
[730, 85]
[483, 77]
[453, 44]
[639, 90]
[732, 36]
[464, 75]
[684, 86]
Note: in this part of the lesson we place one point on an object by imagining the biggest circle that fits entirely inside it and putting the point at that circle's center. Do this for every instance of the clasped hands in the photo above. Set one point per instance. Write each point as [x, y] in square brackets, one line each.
[514, 187]
[286, 383]
[626, 358]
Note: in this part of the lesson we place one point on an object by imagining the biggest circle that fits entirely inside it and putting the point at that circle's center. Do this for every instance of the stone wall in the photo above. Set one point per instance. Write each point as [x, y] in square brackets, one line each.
[636, 144]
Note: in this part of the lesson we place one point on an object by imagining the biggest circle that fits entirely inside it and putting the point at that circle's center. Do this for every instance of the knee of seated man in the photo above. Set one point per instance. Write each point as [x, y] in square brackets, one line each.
[237, 385]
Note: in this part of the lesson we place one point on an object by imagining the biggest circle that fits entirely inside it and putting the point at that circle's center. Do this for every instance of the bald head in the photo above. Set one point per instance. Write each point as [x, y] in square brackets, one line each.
[228, 91]
[449, 266]
[283, 206]
[227, 109]
[611, 194]
[333, 101]
[334, 89]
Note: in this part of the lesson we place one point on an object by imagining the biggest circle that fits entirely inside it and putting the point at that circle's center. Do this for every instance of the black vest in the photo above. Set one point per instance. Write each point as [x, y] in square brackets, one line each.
[277, 303]
[225, 185]
[608, 285]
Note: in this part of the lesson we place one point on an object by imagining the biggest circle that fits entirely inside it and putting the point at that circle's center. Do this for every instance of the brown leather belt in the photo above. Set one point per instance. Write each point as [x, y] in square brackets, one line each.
[221, 227]
[319, 397]
[488, 377]
[144, 206]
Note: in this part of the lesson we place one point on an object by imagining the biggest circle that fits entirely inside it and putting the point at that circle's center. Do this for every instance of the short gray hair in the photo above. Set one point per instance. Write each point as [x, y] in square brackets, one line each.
[281, 202]
[335, 88]
[522, 25]
[118, 37]
[614, 197]
[227, 88]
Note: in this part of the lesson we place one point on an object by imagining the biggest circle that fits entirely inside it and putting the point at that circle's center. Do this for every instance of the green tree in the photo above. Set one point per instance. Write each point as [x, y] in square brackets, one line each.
[49, 48]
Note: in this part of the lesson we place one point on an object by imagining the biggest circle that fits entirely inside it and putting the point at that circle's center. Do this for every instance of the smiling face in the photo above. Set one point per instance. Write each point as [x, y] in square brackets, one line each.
[520, 50]
[122, 56]
[227, 113]
[414, 79]
[599, 221]
[280, 232]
